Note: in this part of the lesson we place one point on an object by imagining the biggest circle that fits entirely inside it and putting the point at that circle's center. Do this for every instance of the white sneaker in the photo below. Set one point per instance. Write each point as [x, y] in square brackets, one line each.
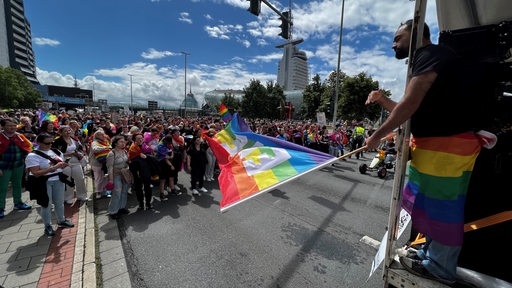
[195, 192]
[202, 189]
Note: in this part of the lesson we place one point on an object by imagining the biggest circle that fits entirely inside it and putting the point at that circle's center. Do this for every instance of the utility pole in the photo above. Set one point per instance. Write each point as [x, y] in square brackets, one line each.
[185, 110]
[338, 74]
[131, 93]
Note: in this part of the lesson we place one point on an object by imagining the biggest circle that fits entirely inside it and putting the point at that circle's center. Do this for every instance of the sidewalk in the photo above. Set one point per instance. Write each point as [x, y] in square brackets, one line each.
[75, 257]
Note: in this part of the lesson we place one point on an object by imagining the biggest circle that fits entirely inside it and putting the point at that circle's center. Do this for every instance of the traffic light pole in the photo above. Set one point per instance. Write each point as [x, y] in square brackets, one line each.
[277, 11]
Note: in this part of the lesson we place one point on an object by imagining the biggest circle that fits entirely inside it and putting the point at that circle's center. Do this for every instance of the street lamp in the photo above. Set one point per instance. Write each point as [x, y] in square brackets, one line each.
[93, 85]
[185, 110]
[131, 93]
[335, 110]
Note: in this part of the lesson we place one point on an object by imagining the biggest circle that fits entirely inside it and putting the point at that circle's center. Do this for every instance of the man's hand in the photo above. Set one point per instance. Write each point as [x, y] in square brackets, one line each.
[373, 97]
[372, 142]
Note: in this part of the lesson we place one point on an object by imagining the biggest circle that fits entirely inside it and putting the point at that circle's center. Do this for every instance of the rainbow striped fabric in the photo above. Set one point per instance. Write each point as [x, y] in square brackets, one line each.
[224, 113]
[42, 115]
[435, 193]
[252, 164]
[102, 156]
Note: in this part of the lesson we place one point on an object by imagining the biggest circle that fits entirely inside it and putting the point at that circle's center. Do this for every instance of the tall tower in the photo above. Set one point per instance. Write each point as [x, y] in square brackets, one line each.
[292, 73]
[16, 39]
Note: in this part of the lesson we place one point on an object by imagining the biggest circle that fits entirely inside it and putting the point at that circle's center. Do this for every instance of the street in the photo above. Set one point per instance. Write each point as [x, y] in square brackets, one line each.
[310, 232]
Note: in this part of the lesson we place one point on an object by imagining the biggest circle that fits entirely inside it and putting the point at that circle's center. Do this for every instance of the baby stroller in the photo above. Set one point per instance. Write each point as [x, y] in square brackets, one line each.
[383, 161]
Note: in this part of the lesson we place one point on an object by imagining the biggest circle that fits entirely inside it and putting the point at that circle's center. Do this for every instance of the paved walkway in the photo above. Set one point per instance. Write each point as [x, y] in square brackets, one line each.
[87, 255]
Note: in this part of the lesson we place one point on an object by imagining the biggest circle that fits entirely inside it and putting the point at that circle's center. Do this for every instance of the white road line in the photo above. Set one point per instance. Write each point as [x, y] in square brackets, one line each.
[370, 241]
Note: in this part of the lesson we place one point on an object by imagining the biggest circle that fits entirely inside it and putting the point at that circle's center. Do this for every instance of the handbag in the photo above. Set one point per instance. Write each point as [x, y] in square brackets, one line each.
[125, 172]
[127, 175]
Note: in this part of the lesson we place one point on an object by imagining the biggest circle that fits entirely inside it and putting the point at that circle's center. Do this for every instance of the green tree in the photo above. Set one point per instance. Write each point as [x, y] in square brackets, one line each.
[312, 100]
[276, 101]
[254, 100]
[353, 94]
[16, 91]
[330, 83]
[231, 102]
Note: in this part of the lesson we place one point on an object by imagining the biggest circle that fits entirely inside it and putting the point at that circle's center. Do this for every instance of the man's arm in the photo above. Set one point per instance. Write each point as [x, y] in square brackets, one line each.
[415, 91]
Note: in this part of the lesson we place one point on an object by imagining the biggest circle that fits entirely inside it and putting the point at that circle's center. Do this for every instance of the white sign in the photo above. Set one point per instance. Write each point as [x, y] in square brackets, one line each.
[320, 119]
[403, 221]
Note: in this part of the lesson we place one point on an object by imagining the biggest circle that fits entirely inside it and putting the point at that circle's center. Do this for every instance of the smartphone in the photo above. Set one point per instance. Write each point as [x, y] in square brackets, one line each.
[67, 160]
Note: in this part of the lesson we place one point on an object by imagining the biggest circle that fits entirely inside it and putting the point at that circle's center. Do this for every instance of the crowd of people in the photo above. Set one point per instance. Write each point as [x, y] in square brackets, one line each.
[128, 154]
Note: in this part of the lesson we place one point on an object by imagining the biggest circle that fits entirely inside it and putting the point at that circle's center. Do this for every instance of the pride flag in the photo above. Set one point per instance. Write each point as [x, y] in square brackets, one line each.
[252, 164]
[435, 193]
[47, 116]
[102, 155]
[85, 128]
[224, 113]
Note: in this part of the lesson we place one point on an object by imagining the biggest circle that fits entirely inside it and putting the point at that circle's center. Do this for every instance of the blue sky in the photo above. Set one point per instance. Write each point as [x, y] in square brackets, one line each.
[102, 42]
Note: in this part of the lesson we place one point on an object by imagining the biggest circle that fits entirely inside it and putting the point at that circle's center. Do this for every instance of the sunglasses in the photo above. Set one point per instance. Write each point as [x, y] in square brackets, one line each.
[47, 143]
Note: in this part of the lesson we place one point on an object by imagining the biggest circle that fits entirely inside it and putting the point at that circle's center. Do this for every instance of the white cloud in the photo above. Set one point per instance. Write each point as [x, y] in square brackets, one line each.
[46, 41]
[152, 53]
[266, 58]
[217, 32]
[162, 84]
[222, 31]
[185, 17]
[246, 43]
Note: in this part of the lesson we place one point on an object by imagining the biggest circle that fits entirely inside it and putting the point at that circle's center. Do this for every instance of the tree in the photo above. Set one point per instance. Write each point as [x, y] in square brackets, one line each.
[330, 83]
[231, 102]
[353, 94]
[16, 91]
[276, 100]
[254, 102]
[312, 100]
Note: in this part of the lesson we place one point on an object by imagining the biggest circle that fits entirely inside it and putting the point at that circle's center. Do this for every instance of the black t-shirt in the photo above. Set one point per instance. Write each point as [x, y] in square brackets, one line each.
[450, 105]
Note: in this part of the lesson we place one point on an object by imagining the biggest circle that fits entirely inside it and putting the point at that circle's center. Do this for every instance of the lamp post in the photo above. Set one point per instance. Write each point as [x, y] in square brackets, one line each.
[335, 110]
[131, 93]
[93, 85]
[185, 110]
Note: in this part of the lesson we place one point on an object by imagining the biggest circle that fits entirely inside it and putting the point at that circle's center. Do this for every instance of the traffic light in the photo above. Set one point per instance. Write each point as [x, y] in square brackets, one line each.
[255, 7]
[285, 25]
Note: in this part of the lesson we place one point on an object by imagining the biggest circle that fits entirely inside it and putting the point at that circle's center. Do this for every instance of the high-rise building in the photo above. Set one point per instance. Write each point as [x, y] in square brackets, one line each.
[16, 39]
[292, 73]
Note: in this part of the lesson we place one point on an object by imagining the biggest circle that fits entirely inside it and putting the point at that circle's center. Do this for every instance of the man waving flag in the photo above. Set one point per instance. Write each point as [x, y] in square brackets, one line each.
[252, 164]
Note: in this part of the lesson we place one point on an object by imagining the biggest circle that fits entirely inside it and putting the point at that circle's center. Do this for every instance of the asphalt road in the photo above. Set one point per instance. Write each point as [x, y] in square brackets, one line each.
[307, 233]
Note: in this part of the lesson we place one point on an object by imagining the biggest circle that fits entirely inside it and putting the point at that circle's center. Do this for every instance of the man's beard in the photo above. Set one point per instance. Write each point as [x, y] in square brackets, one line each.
[401, 53]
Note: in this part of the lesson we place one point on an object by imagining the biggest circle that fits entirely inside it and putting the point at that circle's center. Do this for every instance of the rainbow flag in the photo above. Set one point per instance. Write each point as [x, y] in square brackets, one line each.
[47, 116]
[85, 129]
[438, 180]
[252, 164]
[224, 113]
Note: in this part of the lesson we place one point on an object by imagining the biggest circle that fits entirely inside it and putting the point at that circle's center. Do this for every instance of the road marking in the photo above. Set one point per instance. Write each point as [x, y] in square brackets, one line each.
[370, 241]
